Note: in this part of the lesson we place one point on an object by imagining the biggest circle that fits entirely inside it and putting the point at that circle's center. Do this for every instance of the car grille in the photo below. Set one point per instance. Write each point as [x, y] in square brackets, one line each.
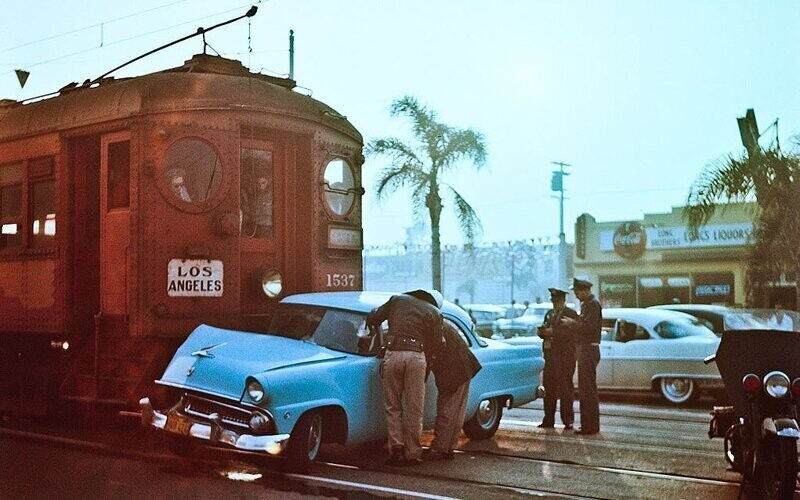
[199, 407]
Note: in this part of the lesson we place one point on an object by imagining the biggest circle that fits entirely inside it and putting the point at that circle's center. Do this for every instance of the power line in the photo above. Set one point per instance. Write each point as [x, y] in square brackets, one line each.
[141, 35]
[78, 30]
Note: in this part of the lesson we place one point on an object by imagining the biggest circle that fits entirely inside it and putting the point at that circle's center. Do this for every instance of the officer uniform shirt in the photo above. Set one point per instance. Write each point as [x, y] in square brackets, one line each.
[590, 322]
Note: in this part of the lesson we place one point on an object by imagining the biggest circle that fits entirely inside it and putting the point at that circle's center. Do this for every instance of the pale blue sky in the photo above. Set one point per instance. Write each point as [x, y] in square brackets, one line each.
[637, 95]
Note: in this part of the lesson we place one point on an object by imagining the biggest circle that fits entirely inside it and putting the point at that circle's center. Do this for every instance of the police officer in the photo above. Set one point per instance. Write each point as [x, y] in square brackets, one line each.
[587, 329]
[415, 325]
[453, 368]
[558, 346]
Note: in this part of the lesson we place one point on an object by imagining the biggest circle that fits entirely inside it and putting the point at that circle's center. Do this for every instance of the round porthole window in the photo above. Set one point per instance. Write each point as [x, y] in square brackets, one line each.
[339, 186]
[192, 171]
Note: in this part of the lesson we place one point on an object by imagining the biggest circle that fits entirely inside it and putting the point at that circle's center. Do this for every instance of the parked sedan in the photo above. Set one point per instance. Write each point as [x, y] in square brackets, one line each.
[653, 350]
[485, 315]
[715, 316]
[313, 377]
[524, 325]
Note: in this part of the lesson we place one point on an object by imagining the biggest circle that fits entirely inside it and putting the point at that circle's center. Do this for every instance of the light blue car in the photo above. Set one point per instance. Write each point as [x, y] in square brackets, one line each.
[315, 378]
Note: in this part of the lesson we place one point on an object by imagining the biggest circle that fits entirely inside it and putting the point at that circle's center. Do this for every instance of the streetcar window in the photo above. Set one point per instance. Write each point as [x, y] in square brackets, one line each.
[119, 156]
[43, 213]
[339, 186]
[256, 193]
[10, 206]
[192, 171]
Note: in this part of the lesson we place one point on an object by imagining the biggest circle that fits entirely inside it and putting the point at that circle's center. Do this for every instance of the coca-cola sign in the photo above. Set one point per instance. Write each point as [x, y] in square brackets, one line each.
[630, 240]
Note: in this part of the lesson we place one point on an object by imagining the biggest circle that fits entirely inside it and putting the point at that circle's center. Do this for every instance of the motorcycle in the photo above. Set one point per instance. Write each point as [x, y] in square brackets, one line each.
[761, 372]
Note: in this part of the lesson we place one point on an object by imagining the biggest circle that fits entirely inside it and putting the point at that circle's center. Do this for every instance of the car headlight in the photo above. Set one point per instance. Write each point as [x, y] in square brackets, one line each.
[255, 391]
[271, 283]
[776, 384]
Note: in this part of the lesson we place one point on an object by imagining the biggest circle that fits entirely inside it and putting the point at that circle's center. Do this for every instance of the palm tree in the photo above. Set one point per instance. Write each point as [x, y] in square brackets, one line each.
[770, 179]
[437, 149]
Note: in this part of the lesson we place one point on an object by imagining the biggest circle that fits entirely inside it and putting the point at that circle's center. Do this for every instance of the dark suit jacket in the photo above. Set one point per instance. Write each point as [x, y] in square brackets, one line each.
[454, 363]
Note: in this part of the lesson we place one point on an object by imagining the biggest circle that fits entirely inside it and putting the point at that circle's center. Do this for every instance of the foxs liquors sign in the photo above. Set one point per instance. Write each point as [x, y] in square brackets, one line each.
[194, 278]
[626, 239]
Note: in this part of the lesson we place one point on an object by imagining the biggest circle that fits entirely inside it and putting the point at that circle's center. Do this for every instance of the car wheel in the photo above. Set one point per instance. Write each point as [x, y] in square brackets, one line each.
[304, 442]
[677, 390]
[486, 420]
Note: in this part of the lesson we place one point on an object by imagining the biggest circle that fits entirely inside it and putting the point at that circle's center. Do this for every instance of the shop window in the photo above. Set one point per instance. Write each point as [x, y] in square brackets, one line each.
[11, 206]
[119, 160]
[256, 193]
[192, 171]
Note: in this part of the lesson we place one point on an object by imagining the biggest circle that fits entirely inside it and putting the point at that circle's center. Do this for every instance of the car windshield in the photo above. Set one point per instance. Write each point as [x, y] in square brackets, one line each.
[331, 328]
[762, 319]
[683, 327]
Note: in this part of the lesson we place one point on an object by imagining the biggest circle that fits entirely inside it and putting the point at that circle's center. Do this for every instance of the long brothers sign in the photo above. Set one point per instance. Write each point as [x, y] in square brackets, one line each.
[194, 278]
[667, 238]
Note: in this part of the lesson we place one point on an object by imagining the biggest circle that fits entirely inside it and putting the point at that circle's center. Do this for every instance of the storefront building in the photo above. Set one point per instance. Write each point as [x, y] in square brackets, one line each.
[654, 261]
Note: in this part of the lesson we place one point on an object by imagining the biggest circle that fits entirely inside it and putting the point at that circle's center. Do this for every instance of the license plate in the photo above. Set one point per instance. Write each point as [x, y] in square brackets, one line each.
[178, 424]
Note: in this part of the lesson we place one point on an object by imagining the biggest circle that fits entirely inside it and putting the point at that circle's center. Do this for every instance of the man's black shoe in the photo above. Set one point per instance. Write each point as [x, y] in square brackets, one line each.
[546, 425]
[586, 432]
[567, 427]
[397, 457]
[413, 461]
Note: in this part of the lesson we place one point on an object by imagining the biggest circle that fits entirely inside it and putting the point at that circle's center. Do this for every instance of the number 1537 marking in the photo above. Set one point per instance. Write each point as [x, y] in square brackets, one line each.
[336, 280]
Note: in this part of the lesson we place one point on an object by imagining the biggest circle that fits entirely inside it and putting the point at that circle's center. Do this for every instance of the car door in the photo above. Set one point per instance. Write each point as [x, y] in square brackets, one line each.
[631, 358]
[605, 368]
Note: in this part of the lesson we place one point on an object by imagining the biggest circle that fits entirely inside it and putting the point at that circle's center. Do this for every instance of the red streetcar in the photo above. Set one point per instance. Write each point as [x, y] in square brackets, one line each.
[133, 209]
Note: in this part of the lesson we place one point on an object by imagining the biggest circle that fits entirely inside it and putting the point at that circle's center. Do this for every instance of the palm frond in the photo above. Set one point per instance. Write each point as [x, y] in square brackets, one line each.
[395, 177]
[422, 119]
[467, 218]
[727, 180]
[463, 143]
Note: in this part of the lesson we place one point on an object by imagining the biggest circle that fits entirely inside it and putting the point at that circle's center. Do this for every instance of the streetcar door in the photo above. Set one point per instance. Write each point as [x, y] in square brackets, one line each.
[262, 198]
[114, 224]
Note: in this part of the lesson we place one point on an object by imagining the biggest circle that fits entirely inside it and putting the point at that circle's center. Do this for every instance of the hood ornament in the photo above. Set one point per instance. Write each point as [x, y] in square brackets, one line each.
[205, 351]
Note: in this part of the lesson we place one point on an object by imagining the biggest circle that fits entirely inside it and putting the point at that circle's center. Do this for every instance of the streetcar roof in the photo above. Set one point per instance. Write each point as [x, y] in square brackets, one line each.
[204, 82]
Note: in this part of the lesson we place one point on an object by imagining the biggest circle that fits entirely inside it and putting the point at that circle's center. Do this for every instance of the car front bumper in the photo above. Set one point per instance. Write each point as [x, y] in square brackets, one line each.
[212, 431]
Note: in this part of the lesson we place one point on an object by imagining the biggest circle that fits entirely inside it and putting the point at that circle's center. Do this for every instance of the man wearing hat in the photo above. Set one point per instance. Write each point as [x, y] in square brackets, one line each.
[587, 329]
[415, 329]
[558, 346]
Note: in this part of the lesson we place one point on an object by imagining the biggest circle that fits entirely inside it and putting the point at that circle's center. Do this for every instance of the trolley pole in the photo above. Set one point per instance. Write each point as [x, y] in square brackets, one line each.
[557, 184]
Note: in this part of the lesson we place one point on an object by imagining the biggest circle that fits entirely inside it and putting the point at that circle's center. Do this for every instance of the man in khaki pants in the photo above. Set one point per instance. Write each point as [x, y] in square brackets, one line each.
[415, 325]
[453, 368]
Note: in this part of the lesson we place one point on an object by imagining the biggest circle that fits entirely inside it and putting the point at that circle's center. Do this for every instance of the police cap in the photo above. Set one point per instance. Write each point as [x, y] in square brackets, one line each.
[556, 293]
[578, 284]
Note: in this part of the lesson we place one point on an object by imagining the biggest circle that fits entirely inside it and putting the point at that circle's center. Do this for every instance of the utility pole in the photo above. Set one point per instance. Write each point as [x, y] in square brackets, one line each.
[557, 184]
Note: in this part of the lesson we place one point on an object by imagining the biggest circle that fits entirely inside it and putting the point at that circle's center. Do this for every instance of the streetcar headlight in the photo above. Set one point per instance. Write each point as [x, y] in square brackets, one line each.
[255, 391]
[271, 283]
[776, 384]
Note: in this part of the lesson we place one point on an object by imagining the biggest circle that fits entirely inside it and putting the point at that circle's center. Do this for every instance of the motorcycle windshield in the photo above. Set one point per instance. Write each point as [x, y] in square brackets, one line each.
[755, 351]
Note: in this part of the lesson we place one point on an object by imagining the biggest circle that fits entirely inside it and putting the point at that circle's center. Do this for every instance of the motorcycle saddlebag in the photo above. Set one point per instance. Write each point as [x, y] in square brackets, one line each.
[722, 418]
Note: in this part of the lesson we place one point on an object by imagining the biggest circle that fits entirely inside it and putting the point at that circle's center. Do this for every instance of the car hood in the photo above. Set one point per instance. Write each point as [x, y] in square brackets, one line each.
[219, 361]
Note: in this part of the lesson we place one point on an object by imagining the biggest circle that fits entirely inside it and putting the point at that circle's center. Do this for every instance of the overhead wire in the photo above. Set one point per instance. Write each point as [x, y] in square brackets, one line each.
[141, 35]
[78, 30]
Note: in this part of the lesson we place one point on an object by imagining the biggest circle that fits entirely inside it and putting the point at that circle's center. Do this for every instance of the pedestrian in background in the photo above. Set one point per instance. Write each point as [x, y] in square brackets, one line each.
[415, 326]
[453, 369]
[587, 329]
[558, 346]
